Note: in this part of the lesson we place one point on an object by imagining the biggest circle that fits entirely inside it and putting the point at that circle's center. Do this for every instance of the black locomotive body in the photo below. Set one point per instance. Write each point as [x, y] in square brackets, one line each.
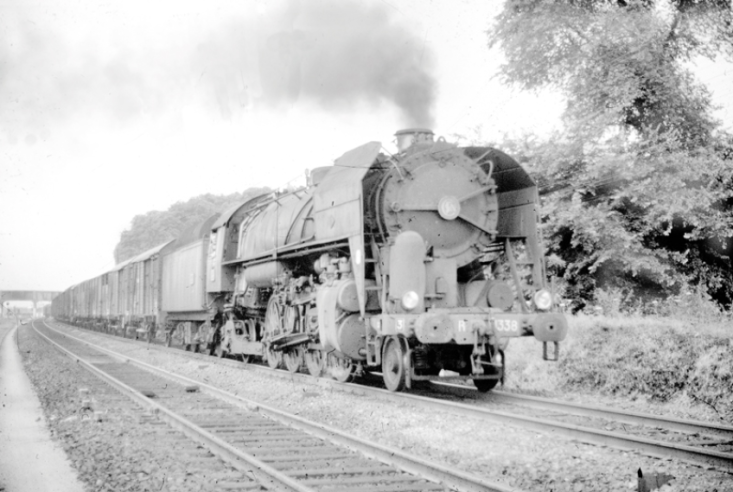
[419, 265]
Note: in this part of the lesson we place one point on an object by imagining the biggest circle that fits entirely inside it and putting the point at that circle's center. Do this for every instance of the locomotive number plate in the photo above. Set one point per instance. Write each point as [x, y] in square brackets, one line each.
[507, 326]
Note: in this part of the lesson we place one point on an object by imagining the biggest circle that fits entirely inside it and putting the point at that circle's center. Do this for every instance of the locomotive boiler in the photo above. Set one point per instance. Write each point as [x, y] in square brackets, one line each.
[420, 265]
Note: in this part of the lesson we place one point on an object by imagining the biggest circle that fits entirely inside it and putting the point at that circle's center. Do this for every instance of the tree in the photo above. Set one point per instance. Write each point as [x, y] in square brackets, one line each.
[641, 176]
[153, 228]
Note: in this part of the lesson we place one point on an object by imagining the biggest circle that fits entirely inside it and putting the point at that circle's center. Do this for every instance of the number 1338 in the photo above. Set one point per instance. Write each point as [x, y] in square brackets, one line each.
[506, 325]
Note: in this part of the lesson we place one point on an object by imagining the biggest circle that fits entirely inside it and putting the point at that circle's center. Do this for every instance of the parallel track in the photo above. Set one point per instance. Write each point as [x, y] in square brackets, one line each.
[671, 438]
[284, 452]
[671, 424]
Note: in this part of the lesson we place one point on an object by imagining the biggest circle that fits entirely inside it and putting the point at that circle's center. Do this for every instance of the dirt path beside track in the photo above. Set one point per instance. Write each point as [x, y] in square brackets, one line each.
[29, 459]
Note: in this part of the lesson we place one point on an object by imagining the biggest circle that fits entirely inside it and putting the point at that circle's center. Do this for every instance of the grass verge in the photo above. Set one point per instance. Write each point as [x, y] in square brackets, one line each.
[654, 359]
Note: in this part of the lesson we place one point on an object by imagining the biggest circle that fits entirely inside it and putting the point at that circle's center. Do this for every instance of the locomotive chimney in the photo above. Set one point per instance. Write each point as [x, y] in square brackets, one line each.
[413, 136]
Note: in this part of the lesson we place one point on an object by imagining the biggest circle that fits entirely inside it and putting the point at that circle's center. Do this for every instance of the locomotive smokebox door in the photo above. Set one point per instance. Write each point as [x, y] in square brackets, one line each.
[446, 198]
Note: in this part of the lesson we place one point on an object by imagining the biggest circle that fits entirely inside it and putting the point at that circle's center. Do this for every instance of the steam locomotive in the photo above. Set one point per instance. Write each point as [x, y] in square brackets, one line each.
[420, 265]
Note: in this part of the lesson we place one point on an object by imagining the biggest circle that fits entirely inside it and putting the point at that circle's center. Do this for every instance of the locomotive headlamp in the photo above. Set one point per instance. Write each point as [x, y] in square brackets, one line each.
[449, 207]
[410, 300]
[543, 299]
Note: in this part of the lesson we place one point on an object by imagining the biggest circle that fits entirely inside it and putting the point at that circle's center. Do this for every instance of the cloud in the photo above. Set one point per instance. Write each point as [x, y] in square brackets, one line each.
[342, 55]
[46, 80]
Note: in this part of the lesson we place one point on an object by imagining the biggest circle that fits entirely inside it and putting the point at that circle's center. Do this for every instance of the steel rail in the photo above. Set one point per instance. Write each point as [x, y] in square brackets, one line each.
[626, 416]
[241, 461]
[722, 461]
[390, 456]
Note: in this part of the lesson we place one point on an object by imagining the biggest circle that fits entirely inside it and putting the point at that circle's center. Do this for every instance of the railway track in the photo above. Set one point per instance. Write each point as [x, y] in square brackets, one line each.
[699, 432]
[280, 451]
[700, 443]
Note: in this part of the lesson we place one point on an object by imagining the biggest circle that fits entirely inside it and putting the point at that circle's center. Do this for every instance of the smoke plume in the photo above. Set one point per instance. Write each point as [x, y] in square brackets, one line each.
[336, 53]
[343, 55]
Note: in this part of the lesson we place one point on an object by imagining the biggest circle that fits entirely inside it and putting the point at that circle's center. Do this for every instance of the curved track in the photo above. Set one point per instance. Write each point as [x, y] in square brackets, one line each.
[284, 452]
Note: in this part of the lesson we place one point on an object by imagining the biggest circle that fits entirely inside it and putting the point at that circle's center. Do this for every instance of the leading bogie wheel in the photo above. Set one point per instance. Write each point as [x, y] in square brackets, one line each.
[342, 370]
[394, 366]
[486, 385]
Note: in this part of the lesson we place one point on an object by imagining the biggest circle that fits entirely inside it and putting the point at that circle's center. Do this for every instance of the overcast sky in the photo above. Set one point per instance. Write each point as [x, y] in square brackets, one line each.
[111, 109]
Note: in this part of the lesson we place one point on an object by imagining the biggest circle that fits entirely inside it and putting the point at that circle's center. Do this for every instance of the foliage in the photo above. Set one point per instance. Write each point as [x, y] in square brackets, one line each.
[665, 361]
[639, 187]
[711, 380]
[624, 61]
[696, 306]
[153, 228]
[683, 360]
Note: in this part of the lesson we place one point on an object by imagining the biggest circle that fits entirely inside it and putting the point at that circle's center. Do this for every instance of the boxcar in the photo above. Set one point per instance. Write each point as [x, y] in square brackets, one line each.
[142, 292]
[185, 303]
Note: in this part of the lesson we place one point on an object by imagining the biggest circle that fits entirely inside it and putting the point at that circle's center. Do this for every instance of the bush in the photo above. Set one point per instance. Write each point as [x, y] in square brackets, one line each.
[656, 358]
[711, 381]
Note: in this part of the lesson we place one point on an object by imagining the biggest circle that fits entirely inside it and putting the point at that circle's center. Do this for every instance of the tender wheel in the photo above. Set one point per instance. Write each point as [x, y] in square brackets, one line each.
[340, 369]
[315, 362]
[293, 359]
[394, 367]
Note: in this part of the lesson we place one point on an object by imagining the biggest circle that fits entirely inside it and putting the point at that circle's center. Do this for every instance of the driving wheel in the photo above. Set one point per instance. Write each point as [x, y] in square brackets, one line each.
[315, 362]
[293, 359]
[273, 328]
